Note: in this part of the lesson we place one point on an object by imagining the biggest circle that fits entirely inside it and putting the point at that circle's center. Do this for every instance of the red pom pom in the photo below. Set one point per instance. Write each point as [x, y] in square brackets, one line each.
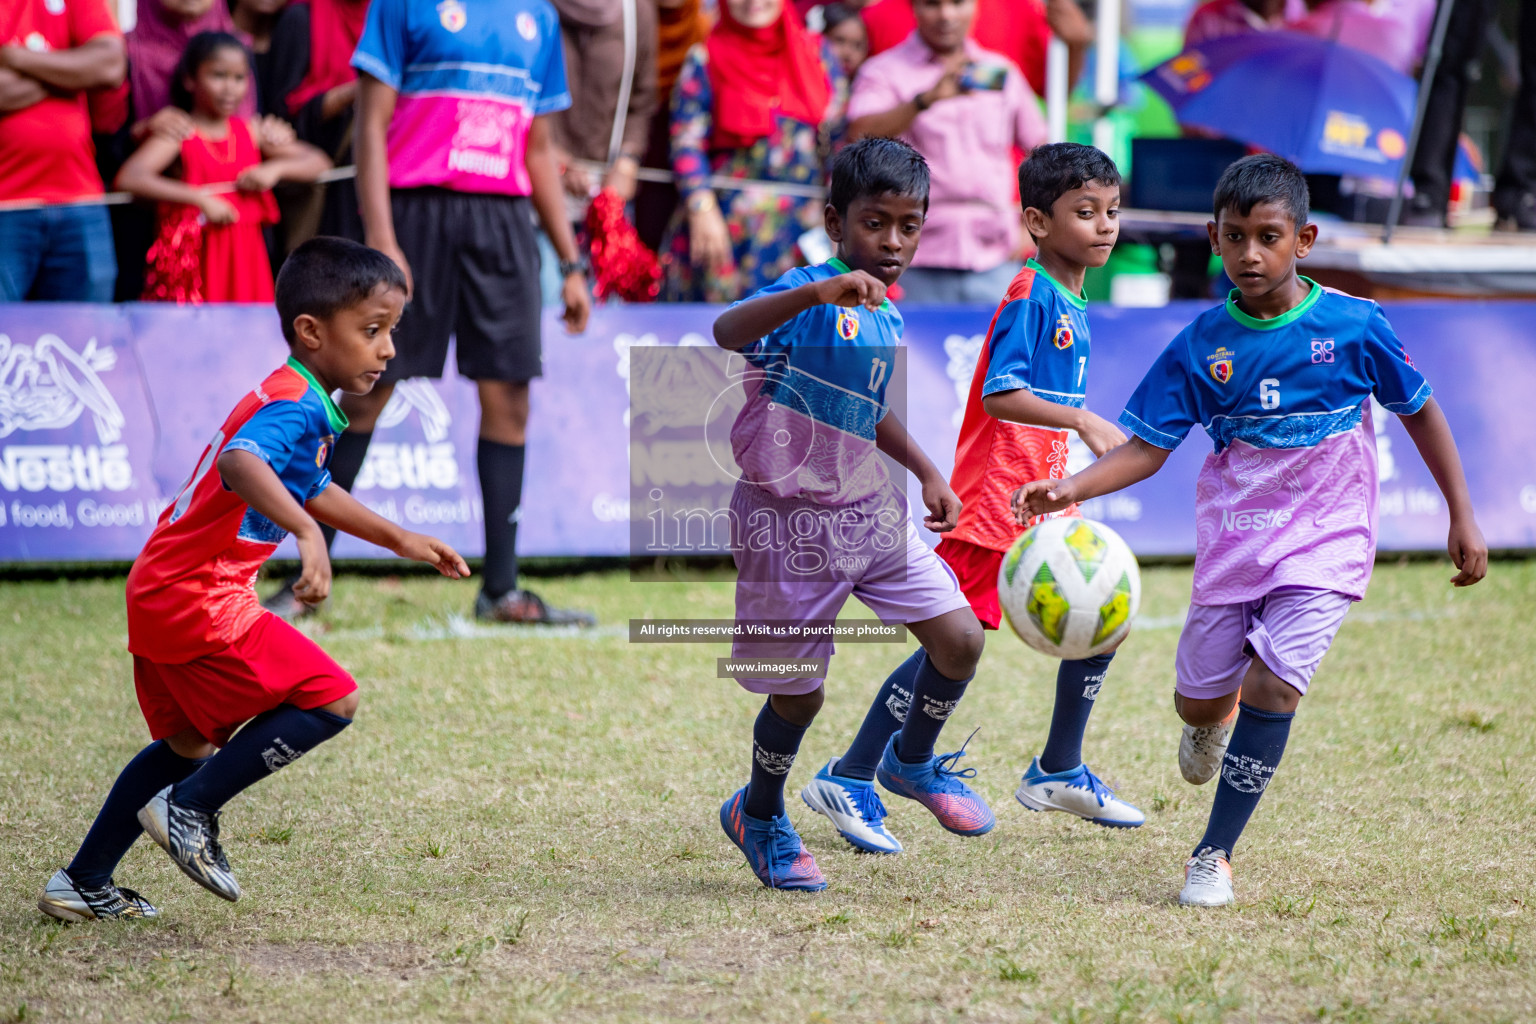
[621, 263]
[175, 261]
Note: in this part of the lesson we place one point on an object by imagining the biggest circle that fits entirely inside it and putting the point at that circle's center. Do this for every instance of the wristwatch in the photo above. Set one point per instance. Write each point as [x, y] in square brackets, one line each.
[701, 200]
[579, 265]
[921, 101]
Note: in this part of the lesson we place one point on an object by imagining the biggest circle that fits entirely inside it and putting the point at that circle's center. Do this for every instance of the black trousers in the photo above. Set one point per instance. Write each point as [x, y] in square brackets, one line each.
[1436, 155]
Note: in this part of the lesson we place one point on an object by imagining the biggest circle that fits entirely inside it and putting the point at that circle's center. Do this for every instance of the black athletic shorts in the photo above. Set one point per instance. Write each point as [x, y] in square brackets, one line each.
[475, 265]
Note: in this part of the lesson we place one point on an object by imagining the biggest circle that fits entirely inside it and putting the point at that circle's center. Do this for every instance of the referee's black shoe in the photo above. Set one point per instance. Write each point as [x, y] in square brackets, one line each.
[527, 608]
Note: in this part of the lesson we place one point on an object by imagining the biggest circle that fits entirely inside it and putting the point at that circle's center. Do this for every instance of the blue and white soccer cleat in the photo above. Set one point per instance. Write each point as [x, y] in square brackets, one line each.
[1078, 792]
[937, 786]
[773, 848]
[854, 807]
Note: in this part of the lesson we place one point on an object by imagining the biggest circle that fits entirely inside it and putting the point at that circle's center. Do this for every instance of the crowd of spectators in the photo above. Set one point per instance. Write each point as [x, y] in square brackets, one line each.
[711, 91]
[760, 91]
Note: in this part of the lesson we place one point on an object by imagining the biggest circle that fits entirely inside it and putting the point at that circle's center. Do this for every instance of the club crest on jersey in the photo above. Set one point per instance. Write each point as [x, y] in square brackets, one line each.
[847, 324]
[325, 449]
[1220, 365]
[1062, 339]
[452, 15]
[527, 27]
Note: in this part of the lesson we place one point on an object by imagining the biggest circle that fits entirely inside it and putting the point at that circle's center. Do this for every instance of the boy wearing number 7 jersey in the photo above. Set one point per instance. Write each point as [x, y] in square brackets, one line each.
[1028, 390]
[1281, 379]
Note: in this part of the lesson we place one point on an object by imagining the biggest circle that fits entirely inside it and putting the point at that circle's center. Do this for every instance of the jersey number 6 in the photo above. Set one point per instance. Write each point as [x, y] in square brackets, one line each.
[1269, 393]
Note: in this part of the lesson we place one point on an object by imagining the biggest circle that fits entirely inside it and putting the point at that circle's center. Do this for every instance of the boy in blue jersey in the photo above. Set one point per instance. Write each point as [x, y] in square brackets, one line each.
[818, 518]
[1281, 379]
[1029, 388]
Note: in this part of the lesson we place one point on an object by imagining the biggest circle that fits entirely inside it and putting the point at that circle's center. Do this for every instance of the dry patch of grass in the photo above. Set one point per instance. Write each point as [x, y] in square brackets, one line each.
[522, 827]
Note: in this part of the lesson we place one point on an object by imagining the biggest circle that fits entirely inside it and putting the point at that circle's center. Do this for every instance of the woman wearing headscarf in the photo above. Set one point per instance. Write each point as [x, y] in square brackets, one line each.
[761, 98]
[680, 26]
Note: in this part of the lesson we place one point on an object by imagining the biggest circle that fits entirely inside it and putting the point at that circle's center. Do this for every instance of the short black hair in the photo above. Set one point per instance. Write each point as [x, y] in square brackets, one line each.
[1056, 168]
[834, 14]
[326, 275]
[1262, 178]
[877, 167]
[199, 49]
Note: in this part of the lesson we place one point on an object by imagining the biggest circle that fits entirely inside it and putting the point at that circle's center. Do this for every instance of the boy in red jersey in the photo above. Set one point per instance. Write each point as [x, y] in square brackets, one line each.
[206, 657]
[1028, 391]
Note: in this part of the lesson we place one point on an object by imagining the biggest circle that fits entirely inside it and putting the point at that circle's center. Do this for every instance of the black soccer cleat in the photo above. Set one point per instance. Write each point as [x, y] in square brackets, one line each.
[192, 839]
[527, 608]
[65, 900]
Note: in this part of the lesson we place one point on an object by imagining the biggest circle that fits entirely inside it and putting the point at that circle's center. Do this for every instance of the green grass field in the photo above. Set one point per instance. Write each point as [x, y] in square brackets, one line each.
[522, 826]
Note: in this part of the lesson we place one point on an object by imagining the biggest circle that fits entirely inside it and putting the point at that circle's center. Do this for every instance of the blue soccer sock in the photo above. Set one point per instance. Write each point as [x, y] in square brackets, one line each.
[775, 742]
[934, 698]
[268, 742]
[117, 823]
[1258, 741]
[1077, 687]
[882, 720]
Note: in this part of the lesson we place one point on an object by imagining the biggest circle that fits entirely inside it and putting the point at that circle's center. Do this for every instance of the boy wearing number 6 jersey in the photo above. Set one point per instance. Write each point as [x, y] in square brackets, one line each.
[1281, 379]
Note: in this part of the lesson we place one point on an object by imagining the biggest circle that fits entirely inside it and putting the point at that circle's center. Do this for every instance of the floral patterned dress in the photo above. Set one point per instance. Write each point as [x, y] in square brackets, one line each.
[764, 226]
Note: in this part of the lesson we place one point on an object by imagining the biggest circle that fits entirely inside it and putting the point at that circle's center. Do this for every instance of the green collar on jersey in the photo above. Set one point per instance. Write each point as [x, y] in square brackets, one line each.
[333, 415]
[1289, 316]
[1080, 301]
[843, 268]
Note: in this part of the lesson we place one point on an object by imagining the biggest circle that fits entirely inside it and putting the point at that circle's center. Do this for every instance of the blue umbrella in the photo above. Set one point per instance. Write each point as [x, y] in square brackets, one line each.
[1326, 107]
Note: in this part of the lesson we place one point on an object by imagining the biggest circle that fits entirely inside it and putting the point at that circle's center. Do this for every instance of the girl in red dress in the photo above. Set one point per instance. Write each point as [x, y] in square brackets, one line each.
[214, 186]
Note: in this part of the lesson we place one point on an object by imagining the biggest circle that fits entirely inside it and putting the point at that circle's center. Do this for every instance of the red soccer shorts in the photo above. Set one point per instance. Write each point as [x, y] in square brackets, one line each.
[976, 569]
[272, 664]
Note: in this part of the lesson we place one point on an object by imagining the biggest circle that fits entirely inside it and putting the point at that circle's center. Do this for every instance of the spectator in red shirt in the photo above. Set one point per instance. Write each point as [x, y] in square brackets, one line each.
[51, 54]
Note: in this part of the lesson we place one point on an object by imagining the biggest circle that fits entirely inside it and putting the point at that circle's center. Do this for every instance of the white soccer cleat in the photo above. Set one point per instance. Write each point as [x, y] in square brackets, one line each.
[1202, 747]
[1207, 880]
[1078, 792]
[66, 900]
[853, 807]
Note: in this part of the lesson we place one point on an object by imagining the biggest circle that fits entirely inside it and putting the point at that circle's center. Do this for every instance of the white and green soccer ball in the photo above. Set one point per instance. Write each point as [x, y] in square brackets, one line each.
[1070, 588]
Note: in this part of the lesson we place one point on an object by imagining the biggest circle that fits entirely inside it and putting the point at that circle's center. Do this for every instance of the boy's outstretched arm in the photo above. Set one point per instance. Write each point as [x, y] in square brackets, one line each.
[943, 504]
[1431, 434]
[335, 507]
[249, 476]
[1021, 406]
[748, 321]
[1130, 463]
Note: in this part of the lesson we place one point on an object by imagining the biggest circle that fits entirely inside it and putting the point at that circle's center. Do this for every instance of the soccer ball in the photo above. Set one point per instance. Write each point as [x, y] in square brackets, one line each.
[1070, 588]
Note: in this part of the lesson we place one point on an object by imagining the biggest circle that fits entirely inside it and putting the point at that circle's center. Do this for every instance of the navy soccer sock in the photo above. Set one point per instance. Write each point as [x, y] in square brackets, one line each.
[1077, 687]
[501, 488]
[117, 823]
[775, 742]
[346, 463]
[268, 742]
[934, 698]
[1258, 741]
[882, 721]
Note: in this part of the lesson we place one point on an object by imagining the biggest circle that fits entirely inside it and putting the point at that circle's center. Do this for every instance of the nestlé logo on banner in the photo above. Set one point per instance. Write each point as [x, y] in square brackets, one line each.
[45, 388]
[431, 463]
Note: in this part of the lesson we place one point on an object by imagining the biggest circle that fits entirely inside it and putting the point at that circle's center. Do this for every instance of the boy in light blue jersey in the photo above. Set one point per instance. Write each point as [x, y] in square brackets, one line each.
[1281, 379]
[817, 518]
